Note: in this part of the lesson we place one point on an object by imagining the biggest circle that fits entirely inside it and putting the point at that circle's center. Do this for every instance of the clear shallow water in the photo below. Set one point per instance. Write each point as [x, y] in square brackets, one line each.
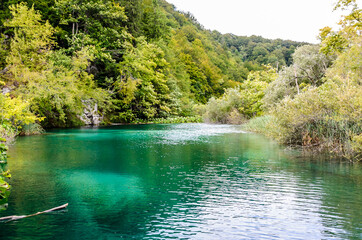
[187, 181]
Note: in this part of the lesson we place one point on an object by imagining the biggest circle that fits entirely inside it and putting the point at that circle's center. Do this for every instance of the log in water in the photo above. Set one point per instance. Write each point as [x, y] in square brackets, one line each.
[13, 218]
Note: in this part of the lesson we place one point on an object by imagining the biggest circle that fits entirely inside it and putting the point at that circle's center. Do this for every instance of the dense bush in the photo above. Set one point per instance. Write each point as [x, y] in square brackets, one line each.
[328, 116]
[220, 110]
[265, 125]
[4, 186]
[308, 70]
[242, 102]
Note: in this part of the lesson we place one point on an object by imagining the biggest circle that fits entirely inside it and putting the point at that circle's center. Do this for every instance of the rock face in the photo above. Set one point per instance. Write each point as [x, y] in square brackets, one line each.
[90, 114]
[5, 90]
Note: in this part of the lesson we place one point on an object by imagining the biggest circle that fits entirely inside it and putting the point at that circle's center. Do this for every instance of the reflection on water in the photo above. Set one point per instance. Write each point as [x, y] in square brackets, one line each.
[192, 181]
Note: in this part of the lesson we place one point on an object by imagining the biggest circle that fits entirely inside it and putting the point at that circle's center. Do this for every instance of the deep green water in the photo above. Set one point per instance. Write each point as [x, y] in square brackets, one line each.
[187, 181]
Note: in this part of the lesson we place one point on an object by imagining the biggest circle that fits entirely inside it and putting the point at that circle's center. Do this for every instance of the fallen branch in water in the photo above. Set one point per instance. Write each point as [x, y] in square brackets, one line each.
[13, 218]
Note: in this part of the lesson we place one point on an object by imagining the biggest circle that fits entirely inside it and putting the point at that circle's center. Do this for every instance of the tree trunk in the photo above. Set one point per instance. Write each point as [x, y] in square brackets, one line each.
[296, 79]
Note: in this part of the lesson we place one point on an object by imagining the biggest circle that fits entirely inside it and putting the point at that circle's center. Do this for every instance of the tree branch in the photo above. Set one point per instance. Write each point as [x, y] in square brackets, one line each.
[13, 218]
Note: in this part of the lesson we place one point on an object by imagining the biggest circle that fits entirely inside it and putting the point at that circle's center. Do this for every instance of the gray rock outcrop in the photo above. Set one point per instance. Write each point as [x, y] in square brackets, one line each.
[90, 114]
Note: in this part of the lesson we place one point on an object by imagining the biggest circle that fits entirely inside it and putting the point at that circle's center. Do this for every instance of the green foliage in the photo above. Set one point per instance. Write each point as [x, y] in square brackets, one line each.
[266, 125]
[142, 87]
[44, 6]
[170, 120]
[29, 47]
[334, 42]
[15, 112]
[52, 83]
[260, 50]
[347, 69]
[356, 146]
[8, 132]
[3, 149]
[241, 103]
[328, 116]
[220, 110]
[154, 21]
[31, 129]
[58, 92]
[4, 186]
[308, 69]
[31, 42]
[138, 59]
[253, 91]
[96, 24]
[100, 20]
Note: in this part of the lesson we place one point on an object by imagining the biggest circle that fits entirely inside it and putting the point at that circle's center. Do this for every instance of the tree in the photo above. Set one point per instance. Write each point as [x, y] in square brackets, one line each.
[97, 23]
[350, 29]
[154, 22]
[59, 91]
[243, 102]
[142, 86]
[53, 83]
[31, 44]
[308, 70]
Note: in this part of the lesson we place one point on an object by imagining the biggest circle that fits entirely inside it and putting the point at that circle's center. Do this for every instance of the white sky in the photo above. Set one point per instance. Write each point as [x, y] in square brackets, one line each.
[298, 20]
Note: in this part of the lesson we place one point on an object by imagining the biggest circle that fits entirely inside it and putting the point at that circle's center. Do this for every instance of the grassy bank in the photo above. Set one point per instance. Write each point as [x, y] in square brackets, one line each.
[192, 119]
[341, 139]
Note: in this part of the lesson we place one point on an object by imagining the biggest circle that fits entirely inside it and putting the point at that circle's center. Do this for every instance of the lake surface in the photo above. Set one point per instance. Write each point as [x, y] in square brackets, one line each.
[183, 181]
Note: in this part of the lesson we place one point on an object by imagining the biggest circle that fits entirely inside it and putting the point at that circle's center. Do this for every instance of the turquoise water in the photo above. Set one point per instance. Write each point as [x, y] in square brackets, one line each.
[186, 181]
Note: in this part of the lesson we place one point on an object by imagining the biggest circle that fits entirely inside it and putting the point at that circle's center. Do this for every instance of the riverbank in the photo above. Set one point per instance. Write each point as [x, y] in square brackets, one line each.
[338, 139]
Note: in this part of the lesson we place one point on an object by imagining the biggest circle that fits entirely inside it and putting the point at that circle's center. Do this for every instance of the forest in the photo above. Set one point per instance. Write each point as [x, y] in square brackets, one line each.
[136, 60]
[66, 63]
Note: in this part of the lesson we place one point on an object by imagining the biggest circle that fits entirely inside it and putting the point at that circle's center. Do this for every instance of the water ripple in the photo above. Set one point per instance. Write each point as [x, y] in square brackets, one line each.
[187, 181]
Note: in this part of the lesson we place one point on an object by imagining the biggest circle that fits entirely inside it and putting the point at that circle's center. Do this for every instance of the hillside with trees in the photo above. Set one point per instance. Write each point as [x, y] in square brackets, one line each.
[134, 60]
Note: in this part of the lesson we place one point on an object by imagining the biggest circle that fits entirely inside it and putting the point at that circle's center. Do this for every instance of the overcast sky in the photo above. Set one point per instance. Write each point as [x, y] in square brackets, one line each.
[298, 20]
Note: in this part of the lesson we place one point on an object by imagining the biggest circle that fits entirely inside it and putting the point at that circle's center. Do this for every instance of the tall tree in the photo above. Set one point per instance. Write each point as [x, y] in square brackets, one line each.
[54, 83]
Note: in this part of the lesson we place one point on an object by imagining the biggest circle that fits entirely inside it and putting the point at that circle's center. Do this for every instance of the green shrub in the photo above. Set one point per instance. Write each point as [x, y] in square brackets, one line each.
[308, 69]
[240, 103]
[265, 125]
[191, 119]
[31, 129]
[356, 145]
[7, 132]
[324, 118]
[4, 186]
